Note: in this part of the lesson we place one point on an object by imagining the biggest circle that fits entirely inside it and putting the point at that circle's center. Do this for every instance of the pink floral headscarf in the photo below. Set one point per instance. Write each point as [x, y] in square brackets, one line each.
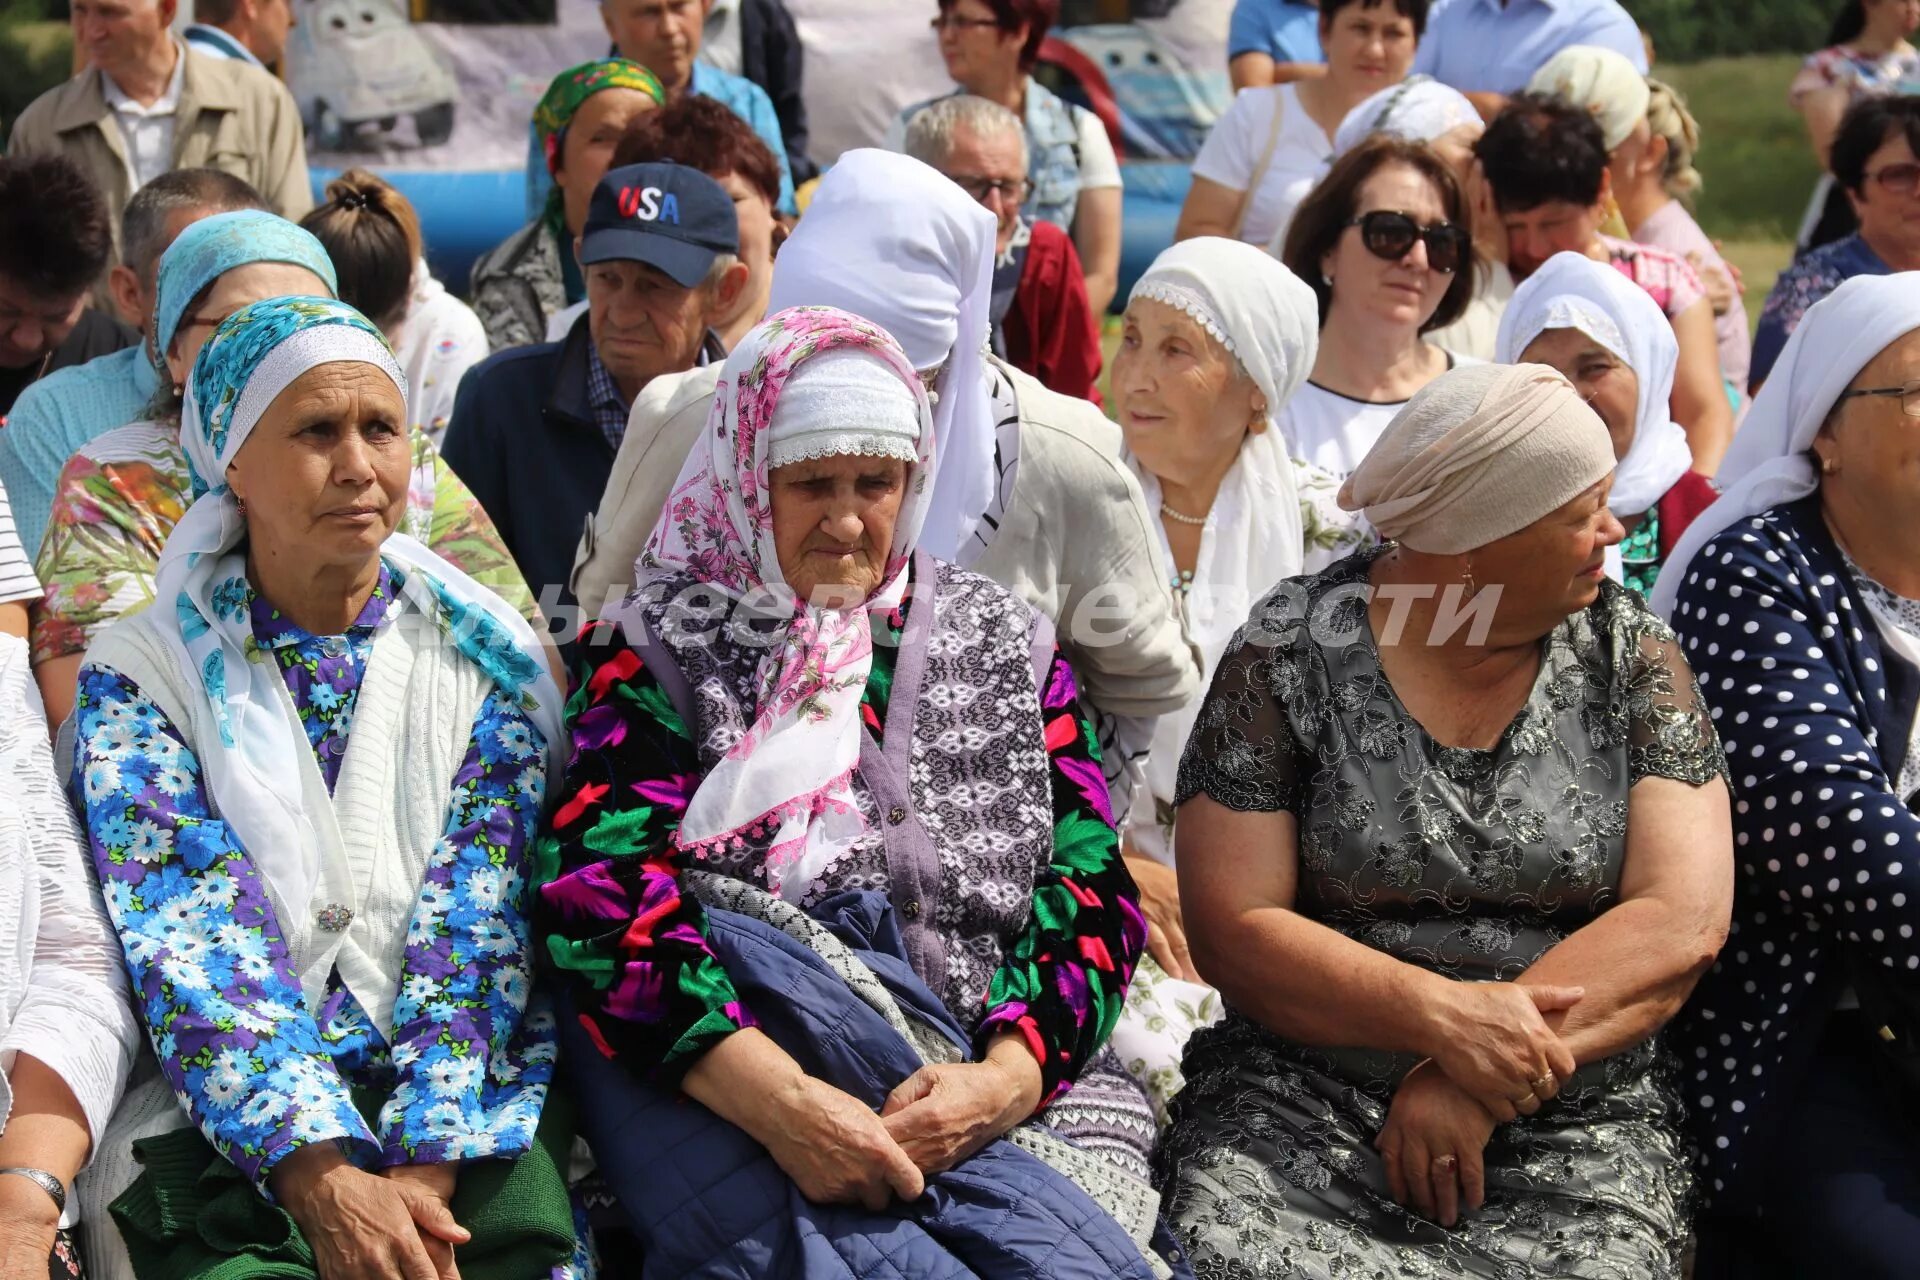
[790, 775]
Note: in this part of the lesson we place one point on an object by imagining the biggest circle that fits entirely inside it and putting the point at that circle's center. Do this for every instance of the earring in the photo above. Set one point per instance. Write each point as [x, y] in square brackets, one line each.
[1473, 588]
[243, 506]
[1828, 466]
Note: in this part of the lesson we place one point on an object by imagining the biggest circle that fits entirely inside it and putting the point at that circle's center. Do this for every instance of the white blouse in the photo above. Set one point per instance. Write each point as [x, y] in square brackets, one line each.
[63, 986]
[437, 343]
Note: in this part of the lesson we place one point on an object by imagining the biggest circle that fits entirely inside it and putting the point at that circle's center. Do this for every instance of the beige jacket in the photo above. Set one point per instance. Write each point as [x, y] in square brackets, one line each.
[1076, 527]
[232, 116]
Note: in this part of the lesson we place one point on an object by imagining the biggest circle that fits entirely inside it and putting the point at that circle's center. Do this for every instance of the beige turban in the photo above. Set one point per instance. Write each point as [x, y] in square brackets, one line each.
[1479, 453]
[1602, 81]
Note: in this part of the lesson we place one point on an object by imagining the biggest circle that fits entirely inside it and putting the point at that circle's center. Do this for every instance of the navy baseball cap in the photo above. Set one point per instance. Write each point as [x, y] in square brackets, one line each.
[665, 215]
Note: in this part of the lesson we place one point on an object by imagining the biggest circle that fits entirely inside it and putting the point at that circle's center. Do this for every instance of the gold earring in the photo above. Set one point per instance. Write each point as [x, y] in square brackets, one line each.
[243, 505]
[1828, 466]
[1473, 588]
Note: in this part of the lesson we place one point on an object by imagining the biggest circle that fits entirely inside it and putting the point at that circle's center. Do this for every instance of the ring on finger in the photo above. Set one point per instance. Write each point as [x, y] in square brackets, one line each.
[1446, 1164]
[1544, 1083]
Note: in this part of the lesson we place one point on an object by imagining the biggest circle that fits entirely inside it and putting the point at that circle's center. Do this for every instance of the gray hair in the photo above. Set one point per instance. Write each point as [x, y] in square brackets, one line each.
[930, 133]
[144, 224]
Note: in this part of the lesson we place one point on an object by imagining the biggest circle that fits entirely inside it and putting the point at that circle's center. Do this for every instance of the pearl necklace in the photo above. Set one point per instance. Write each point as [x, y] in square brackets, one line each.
[1181, 517]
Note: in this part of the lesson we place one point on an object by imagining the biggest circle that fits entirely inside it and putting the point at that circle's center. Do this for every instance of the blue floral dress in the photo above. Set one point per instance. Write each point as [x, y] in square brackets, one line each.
[465, 1066]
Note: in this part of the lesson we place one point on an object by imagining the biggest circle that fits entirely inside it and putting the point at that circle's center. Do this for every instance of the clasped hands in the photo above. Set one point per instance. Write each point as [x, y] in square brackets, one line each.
[1491, 1057]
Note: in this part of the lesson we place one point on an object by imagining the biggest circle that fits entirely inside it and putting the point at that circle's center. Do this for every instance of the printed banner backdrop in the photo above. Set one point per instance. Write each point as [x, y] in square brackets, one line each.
[437, 101]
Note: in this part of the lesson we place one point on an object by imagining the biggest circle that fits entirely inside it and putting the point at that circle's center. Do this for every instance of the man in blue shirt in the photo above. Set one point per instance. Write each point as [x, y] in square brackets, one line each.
[1273, 42]
[1488, 49]
[664, 37]
[247, 30]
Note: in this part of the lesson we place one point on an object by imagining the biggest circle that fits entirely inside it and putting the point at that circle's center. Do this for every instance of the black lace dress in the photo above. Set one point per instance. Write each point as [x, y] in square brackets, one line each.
[1471, 863]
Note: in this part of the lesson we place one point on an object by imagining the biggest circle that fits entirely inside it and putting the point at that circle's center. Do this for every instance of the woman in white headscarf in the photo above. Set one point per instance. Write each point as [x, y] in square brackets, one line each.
[1798, 597]
[1453, 846]
[895, 242]
[1217, 337]
[1610, 340]
[312, 778]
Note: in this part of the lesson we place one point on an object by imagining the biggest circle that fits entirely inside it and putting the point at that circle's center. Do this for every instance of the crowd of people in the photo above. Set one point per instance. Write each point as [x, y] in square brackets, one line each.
[755, 741]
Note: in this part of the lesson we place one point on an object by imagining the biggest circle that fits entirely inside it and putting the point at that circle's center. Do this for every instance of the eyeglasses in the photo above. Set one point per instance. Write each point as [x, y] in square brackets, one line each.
[1391, 236]
[1012, 190]
[1901, 179]
[1909, 394]
[954, 22]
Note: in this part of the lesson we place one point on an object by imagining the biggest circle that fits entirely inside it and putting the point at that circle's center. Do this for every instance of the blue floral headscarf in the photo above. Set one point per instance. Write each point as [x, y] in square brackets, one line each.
[211, 247]
[253, 356]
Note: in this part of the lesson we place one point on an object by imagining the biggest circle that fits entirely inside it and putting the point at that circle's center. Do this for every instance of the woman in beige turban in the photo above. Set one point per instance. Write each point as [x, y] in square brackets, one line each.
[1453, 845]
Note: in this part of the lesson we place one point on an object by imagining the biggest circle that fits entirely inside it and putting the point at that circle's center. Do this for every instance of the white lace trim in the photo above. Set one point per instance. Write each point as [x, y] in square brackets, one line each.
[1193, 302]
[815, 445]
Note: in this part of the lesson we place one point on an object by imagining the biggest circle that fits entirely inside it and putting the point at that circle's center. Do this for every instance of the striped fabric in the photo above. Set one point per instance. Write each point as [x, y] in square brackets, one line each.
[16, 573]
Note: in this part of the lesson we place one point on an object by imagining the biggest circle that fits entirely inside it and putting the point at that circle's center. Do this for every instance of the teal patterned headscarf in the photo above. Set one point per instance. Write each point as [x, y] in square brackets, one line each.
[211, 247]
[253, 356]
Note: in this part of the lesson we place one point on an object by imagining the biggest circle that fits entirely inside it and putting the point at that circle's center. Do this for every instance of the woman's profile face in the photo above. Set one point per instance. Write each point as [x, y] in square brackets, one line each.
[1183, 406]
[833, 522]
[1553, 567]
[233, 289]
[1606, 382]
[324, 473]
[1871, 445]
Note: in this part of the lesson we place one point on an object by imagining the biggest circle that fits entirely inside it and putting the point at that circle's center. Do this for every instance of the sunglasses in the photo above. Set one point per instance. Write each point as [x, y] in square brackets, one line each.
[1391, 236]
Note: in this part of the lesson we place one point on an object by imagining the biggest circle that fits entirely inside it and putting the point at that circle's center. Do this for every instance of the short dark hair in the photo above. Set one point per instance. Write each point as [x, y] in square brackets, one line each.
[215, 13]
[56, 237]
[1868, 125]
[373, 236]
[1322, 218]
[1540, 148]
[703, 134]
[1413, 10]
[1037, 16]
[144, 223]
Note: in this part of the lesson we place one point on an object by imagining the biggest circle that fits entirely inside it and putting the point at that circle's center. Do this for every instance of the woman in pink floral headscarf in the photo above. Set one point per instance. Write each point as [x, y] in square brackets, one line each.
[800, 703]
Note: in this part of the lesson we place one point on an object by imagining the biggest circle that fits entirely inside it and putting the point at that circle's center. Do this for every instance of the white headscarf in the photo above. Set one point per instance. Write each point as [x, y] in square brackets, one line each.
[1268, 320]
[1770, 462]
[1419, 109]
[200, 583]
[1600, 80]
[895, 242]
[1572, 291]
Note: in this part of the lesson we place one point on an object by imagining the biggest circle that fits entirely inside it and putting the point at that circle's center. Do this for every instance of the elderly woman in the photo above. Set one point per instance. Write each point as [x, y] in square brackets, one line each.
[1453, 846]
[67, 1033]
[1217, 338]
[1796, 596]
[853, 719]
[120, 496]
[1274, 142]
[1385, 243]
[1609, 339]
[1073, 178]
[312, 783]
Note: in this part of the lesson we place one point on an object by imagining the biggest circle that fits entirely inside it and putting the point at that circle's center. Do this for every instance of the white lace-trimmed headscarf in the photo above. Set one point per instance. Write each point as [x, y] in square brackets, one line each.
[1572, 291]
[1602, 82]
[1267, 319]
[895, 242]
[1770, 462]
[200, 584]
[1419, 109]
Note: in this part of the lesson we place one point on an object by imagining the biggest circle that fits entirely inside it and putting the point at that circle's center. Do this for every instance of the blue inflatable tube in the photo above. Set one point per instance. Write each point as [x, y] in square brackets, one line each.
[462, 215]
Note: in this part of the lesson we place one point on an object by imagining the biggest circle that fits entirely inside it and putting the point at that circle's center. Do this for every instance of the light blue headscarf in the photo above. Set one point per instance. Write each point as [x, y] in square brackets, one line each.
[211, 247]
[253, 356]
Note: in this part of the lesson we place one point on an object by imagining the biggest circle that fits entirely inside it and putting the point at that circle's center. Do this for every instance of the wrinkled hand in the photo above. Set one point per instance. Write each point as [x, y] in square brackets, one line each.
[362, 1226]
[940, 1115]
[28, 1226]
[1491, 1040]
[835, 1149]
[439, 1182]
[1434, 1146]
[1159, 891]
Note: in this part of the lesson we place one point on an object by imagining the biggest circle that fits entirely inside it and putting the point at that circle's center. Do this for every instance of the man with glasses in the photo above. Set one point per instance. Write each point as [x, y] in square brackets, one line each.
[55, 243]
[1876, 161]
[1042, 321]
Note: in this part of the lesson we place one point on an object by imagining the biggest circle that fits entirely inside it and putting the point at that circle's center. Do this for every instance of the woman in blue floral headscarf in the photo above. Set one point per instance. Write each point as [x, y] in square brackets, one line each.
[310, 775]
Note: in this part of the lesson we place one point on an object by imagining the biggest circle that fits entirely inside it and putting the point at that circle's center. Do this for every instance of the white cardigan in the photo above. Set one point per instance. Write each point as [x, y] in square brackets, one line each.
[63, 987]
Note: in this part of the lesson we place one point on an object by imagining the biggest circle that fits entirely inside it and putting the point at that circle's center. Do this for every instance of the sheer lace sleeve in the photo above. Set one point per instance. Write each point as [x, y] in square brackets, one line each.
[1243, 751]
[1670, 730]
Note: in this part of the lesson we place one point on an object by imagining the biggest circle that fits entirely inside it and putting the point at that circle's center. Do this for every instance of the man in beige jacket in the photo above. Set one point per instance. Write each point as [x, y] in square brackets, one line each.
[1066, 528]
[147, 103]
